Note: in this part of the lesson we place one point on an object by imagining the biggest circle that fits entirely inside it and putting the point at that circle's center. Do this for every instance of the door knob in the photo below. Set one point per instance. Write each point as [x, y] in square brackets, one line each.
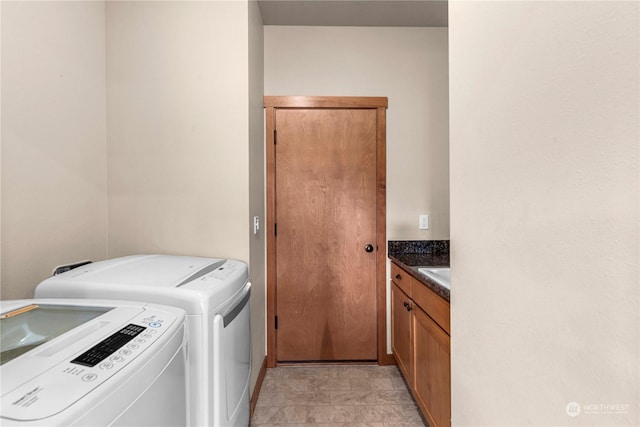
[368, 248]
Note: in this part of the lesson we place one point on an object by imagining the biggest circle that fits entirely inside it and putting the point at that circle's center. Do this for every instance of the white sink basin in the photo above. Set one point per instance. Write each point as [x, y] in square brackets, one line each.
[440, 275]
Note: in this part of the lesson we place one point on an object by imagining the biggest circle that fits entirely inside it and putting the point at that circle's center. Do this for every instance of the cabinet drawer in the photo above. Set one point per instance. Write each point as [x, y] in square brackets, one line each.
[432, 303]
[401, 278]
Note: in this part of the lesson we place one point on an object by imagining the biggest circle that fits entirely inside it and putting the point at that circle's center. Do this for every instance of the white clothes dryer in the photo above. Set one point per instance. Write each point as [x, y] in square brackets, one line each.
[214, 293]
[92, 363]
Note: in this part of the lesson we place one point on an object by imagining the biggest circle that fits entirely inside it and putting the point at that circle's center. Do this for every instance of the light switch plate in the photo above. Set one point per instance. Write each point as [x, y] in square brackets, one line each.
[423, 222]
[256, 224]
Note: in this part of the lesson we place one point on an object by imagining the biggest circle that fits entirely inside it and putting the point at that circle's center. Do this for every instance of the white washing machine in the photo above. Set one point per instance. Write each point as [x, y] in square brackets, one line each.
[214, 293]
[92, 363]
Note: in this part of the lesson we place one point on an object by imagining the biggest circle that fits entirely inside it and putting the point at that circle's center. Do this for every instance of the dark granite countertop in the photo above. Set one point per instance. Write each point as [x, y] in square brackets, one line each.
[409, 255]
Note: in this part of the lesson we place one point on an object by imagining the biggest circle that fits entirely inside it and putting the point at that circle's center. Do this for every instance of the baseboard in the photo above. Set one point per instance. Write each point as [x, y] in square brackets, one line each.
[387, 359]
[256, 389]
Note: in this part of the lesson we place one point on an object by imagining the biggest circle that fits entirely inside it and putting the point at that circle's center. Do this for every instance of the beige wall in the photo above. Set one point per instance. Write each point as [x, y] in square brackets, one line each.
[185, 142]
[54, 200]
[544, 212]
[407, 65]
[166, 97]
[0, 150]
[256, 188]
[177, 98]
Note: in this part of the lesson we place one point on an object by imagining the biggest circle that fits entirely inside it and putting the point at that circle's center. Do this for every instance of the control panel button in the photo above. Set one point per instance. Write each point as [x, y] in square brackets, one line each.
[89, 377]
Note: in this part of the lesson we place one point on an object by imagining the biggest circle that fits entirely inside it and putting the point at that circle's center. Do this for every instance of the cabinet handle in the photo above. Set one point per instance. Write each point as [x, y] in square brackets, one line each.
[398, 276]
[409, 308]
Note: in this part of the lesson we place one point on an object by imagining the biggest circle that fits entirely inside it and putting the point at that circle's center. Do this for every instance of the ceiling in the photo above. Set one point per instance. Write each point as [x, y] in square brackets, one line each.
[357, 13]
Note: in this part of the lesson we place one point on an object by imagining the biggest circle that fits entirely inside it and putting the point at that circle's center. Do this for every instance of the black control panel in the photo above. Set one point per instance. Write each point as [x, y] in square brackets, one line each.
[108, 346]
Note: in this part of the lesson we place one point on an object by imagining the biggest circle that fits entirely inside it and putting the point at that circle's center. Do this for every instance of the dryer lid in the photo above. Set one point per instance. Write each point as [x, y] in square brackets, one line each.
[197, 285]
[146, 270]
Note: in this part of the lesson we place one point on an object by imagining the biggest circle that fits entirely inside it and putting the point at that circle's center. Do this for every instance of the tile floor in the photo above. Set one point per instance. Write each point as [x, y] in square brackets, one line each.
[342, 396]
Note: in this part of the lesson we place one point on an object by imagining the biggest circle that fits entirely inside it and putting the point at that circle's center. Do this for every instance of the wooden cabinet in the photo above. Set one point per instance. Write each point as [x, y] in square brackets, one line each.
[401, 330]
[432, 368]
[421, 344]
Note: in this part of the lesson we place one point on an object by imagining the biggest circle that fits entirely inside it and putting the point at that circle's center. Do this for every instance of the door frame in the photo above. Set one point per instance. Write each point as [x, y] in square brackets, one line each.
[271, 104]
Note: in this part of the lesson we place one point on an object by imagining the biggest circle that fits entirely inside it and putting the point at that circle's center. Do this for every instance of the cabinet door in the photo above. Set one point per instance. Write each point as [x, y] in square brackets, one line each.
[432, 375]
[401, 331]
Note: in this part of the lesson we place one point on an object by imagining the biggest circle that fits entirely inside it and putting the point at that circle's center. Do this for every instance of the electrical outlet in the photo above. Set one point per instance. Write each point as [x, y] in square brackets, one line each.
[423, 223]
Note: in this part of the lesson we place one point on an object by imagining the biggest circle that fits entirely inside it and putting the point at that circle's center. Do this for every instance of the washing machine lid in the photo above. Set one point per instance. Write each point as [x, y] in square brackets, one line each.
[50, 369]
[26, 327]
[196, 284]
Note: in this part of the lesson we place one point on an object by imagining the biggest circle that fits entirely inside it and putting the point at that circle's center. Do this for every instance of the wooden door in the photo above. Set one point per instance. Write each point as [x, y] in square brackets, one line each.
[326, 220]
